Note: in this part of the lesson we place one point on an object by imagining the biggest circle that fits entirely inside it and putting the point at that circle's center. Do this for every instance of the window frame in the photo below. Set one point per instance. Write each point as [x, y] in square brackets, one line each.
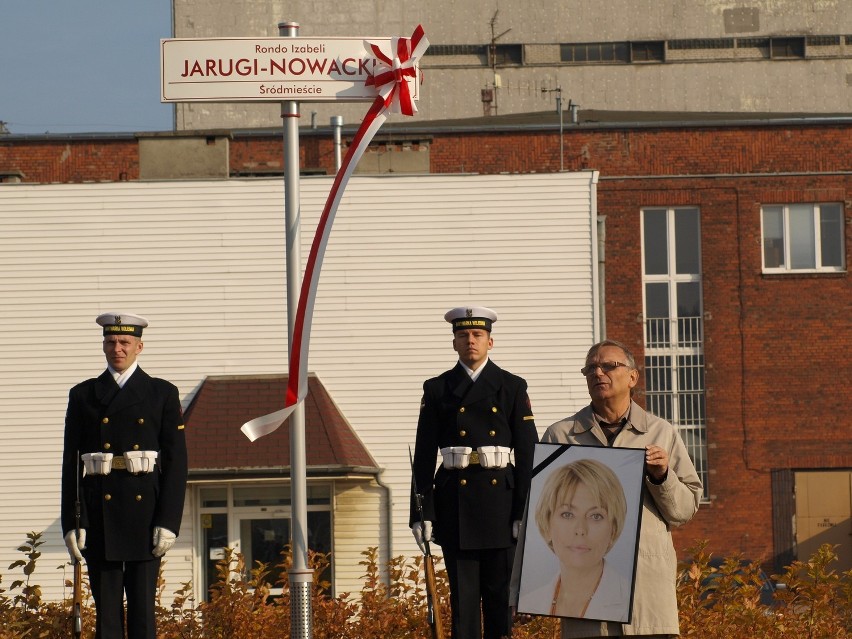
[647, 51]
[594, 53]
[786, 268]
[506, 55]
[674, 367]
[323, 501]
[787, 48]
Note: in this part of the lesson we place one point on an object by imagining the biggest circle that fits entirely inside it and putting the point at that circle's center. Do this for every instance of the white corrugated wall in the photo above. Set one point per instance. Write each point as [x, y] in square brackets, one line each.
[204, 261]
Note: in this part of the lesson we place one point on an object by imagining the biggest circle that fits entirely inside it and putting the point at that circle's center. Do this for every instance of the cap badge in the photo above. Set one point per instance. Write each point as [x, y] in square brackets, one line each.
[468, 312]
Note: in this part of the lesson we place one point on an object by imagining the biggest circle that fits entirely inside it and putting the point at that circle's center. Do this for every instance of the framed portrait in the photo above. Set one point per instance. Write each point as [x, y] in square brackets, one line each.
[581, 532]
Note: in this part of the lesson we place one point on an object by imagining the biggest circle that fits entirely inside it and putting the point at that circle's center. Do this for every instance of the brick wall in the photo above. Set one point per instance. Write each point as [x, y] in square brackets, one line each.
[70, 160]
[774, 344]
[651, 152]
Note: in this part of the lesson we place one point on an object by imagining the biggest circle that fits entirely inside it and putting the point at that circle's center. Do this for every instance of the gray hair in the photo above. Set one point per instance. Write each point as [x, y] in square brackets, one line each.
[631, 361]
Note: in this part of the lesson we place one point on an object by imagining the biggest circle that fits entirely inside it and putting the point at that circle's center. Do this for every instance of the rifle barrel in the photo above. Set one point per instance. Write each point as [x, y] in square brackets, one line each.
[433, 609]
[77, 608]
[77, 611]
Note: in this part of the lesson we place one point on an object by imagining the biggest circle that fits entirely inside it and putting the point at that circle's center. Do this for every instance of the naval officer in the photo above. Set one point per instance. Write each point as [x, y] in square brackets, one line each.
[124, 461]
[475, 415]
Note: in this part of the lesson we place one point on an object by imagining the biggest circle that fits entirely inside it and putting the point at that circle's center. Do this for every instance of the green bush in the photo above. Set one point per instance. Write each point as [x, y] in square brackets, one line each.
[816, 603]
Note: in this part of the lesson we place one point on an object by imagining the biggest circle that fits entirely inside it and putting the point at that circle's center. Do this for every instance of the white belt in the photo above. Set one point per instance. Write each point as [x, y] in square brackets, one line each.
[133, 461]
[491, 457]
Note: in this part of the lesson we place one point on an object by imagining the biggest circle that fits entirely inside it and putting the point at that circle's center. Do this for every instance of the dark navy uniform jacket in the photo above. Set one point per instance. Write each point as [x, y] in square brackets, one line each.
[119, 511]
[473, 508]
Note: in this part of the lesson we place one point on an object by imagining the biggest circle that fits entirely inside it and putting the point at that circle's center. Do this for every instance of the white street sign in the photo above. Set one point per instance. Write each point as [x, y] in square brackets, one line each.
[270, 69]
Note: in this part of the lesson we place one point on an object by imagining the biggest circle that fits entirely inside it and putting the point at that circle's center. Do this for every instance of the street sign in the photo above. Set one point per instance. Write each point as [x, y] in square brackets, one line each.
[270, 69]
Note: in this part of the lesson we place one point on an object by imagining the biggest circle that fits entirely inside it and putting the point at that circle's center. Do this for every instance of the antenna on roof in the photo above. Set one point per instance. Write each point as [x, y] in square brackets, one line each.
[491, 96]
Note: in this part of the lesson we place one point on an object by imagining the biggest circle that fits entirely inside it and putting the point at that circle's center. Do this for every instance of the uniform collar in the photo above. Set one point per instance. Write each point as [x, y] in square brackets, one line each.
[474, 374]
[122, 377]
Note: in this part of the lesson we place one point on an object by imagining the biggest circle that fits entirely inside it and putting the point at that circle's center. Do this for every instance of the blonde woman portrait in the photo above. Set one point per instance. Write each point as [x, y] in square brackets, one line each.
[580, 515]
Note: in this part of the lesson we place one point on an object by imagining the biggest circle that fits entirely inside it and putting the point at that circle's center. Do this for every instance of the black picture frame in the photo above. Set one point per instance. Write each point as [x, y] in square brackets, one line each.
[542, 569]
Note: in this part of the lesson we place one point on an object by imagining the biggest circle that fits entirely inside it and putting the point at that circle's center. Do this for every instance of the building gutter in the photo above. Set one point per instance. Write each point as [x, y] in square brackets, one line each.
[716, 176]
[425, 128]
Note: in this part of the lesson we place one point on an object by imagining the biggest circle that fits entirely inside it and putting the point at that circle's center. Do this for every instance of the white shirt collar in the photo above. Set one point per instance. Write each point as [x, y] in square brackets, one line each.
[121, 378]
[474, 374]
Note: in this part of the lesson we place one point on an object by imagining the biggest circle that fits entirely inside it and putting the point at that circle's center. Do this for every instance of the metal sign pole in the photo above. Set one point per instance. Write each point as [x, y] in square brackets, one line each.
[301, 576]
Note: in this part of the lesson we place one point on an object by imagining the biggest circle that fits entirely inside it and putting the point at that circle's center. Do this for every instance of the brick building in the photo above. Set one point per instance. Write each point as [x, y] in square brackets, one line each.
[724, 247]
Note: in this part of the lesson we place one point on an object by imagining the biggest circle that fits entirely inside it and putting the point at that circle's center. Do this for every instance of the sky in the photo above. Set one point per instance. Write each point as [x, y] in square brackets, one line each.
[82, 66]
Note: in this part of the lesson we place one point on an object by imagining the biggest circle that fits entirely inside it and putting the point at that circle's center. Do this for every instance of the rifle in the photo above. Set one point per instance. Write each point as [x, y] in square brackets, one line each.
[433, 609]
[77, 605]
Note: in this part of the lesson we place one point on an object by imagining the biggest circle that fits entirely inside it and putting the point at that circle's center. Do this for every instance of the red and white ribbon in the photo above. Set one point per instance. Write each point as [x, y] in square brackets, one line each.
[392, 77]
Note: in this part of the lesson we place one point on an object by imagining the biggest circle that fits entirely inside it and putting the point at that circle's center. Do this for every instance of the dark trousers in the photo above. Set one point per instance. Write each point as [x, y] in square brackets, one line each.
[479, 576]
[110, 581]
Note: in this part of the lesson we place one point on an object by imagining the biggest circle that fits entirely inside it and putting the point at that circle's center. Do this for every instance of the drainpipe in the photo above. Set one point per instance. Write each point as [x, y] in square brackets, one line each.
[597, 223]
[337, 125]
[389, 527]
[602, 276]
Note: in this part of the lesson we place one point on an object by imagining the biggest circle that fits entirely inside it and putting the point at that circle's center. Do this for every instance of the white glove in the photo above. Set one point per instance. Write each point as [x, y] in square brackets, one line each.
[164, 539]
[75, 541]
[422, 533]
[516, 528]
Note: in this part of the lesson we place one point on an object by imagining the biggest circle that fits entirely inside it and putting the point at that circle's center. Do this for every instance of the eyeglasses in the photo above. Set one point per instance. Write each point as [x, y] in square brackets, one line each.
[606, 367]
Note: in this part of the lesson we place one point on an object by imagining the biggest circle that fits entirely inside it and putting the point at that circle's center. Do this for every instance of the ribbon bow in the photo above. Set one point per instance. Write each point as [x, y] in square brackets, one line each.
[392, 74]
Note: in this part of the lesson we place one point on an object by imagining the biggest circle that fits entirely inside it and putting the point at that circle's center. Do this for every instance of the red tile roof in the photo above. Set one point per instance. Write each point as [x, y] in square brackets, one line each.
[224, 403]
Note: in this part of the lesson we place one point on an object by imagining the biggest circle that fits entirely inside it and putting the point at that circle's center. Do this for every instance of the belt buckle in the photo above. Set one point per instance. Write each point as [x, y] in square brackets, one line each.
[474, 457]
[119, 463]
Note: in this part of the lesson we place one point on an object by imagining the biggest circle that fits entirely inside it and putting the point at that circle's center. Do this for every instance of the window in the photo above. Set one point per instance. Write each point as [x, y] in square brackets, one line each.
[803, 237]
[823, 41]
[456, 49]
[787, 48]
[596, 52]
[674, 330]
[613, 52]
[701, 43]
[255, 521]
[506, 54]
[651, 51]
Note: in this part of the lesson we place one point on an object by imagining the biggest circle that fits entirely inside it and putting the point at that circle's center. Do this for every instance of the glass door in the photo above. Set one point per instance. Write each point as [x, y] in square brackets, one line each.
[264, 537]
[254, 521]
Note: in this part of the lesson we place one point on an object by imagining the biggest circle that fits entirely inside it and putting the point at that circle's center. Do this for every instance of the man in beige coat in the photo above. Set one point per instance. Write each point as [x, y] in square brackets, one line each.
[671, 490]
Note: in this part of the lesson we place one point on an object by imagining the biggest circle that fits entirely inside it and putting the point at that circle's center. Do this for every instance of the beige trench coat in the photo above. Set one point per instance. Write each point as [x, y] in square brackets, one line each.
[670, 504]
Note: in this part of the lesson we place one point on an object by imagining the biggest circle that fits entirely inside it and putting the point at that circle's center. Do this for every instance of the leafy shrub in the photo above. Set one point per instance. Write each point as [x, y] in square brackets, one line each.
[815, 601]
[714, 603]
